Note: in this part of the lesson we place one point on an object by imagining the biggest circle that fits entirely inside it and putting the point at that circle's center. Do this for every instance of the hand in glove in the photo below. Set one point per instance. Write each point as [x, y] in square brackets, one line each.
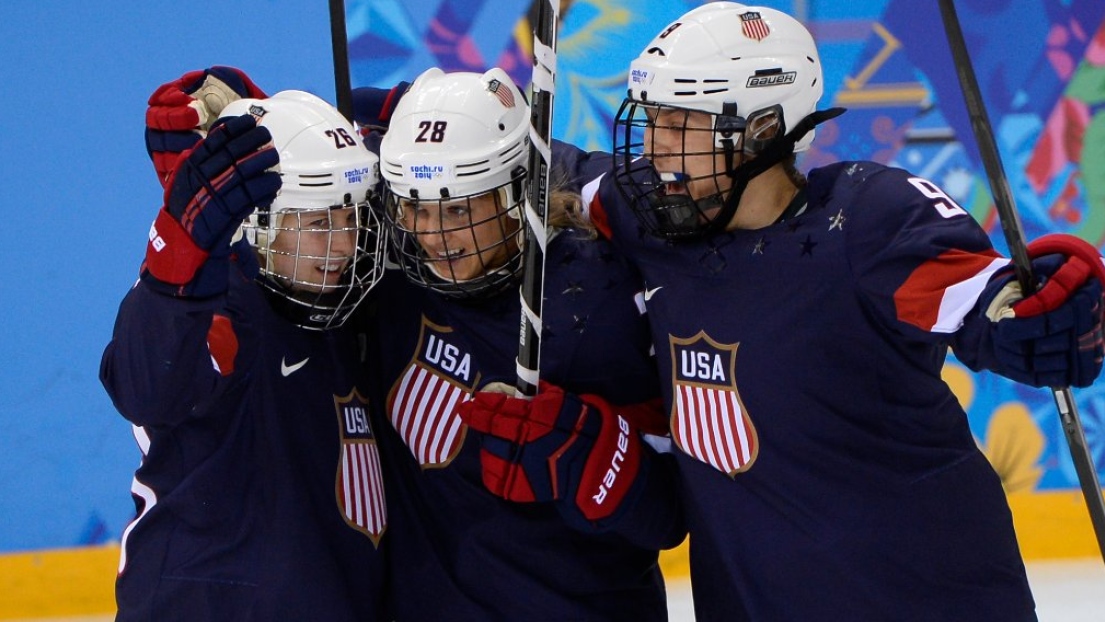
[182, 111]
[577, 450]
[372, 106]
[216, 186]
[1052, 338]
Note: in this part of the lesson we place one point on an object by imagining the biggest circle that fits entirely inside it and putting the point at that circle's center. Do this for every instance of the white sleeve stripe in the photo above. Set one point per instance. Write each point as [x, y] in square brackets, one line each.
[959, 299]
[588, 192]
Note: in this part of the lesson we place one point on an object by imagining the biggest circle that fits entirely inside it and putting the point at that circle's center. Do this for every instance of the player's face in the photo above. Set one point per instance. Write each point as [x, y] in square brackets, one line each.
[680, 144]
[314, 248]
[464, 238]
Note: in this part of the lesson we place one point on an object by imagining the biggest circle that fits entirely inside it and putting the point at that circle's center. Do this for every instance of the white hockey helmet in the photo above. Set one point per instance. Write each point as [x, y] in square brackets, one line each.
[730, 59]
[456, 137]
[323, 167]
[755, 72]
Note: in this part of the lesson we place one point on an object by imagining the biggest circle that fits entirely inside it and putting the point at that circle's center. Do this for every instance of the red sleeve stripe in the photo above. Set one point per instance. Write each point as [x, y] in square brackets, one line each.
[222, 343]
[940, 292]
[592, 206]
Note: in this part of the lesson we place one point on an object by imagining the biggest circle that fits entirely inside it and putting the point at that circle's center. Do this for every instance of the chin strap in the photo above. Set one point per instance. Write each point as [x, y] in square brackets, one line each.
[324, 312]
[773, 154]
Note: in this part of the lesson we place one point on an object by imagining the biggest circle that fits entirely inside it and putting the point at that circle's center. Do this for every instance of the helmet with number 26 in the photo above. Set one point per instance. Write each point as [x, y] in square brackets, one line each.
[319, 242]
[454, 160]
[721, 95]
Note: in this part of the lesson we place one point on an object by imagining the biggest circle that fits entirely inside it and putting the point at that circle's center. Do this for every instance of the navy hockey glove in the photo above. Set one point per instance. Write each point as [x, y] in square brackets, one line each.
[182, 111]
[372, 106]
[1053, 338]
[216, 186]
[577, 450]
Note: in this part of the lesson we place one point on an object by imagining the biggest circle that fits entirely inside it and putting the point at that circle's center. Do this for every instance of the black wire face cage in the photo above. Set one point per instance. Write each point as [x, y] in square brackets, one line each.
[462, 247]
[327, 266]
[677, 166]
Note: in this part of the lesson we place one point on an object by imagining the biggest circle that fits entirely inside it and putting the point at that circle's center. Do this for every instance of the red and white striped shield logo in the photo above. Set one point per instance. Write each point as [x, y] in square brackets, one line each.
[708, 420]
[753, 26]
[423, 403]
[360, 484]
[503, 92]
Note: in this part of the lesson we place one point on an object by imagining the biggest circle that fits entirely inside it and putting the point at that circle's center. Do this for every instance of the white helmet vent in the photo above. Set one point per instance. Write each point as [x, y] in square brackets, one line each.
[473, 168]
[315, 181]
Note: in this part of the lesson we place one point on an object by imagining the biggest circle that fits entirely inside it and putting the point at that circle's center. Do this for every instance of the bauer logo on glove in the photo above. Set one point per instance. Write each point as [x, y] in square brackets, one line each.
[580, 451]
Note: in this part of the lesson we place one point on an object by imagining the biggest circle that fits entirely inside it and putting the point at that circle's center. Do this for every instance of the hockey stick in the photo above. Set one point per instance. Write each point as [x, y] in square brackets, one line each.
[340, 43]
[1014, 237]
[537, 193]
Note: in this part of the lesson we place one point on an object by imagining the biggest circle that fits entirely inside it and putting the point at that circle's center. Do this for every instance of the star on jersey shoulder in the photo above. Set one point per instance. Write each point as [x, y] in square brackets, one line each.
[580, 323]
[573, 288]
[713, 258]
[807, 246]
[837, 221]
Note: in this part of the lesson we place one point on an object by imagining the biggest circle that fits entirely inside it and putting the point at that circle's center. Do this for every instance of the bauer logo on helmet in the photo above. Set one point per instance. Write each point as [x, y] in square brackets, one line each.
[771, 80]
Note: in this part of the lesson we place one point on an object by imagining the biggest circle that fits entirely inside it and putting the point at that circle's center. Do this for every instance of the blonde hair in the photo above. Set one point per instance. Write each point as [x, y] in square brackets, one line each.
[566, 208]
[790, 167]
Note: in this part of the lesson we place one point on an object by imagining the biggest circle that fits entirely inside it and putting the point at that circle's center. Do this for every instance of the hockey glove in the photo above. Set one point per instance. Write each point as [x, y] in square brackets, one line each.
[1053, 338]
[372, 107]
[216, 186]
[579, 451]
[182, 111]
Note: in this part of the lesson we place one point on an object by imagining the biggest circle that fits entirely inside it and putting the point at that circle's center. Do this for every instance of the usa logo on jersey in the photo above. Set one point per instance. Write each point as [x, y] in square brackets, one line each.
[708, 421]
[360, 484]
[422, 404]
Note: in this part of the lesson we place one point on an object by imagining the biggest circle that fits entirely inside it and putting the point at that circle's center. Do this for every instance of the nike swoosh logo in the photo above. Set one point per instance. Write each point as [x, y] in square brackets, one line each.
[649, 293]
[287, 370]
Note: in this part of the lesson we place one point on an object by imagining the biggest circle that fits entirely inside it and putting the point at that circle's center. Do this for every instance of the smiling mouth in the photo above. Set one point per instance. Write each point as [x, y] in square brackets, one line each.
[448, 256]
[449, 265]
[332, 270]
[673, 183]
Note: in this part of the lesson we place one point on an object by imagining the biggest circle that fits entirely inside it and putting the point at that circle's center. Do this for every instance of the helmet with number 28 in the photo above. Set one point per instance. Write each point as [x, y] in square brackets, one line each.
[454, 161]
[319, 242]
[718, 97]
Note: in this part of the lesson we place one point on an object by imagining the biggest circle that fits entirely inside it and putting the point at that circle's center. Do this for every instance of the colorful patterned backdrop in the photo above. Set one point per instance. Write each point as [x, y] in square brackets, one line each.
[1041, 65]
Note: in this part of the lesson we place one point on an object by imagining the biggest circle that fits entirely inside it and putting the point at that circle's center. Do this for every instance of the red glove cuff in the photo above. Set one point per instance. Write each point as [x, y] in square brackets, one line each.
[171, 254]
[612, 466]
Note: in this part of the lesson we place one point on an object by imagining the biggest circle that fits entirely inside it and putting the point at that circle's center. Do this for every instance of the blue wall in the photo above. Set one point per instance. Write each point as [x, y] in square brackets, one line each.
[79, 195]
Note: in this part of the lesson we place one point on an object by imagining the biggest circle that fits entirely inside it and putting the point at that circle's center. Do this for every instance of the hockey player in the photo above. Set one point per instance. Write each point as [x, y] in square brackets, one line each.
[259, 494]
[801, 325]
[554, 510]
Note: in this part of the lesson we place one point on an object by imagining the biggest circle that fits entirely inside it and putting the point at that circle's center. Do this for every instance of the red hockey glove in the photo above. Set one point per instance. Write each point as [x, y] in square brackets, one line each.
[577, 450]
[181, 112]
[372, 106]
[216, 186]
[1053, 338]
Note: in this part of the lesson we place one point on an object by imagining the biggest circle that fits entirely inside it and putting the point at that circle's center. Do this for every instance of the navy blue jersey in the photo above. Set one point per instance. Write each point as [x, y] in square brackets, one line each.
[829, 472]
[259, 495]
[461, 553]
